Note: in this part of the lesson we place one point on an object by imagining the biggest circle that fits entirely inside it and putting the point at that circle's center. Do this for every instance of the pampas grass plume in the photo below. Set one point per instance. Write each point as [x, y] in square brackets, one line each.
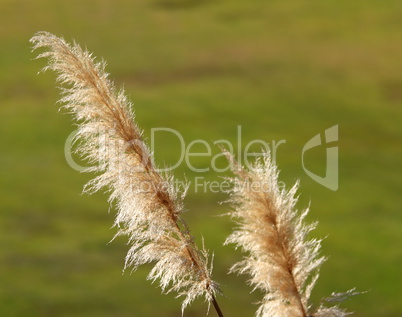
[148, 206]
[280, 258]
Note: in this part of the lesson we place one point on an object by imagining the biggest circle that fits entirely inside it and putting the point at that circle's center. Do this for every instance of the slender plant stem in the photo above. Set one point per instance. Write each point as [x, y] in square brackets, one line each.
[216, 306]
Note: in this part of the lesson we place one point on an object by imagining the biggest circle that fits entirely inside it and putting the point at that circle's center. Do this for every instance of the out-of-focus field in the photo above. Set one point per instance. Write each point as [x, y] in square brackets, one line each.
[282, 70]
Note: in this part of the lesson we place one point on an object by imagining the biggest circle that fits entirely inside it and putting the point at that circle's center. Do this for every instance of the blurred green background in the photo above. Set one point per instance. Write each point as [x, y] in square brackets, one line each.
[283, 70]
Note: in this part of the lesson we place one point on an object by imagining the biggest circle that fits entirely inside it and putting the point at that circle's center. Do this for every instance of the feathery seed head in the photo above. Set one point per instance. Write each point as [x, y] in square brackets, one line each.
[148, 205]
[280, 258]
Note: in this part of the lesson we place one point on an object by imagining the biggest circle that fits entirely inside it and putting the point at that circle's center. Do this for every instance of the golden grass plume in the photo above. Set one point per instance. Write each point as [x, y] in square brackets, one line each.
[149, 207]
[280, 258]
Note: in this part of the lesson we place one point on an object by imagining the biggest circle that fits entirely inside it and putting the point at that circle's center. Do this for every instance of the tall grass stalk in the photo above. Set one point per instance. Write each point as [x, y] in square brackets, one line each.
[149, 208]
[280, 258]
